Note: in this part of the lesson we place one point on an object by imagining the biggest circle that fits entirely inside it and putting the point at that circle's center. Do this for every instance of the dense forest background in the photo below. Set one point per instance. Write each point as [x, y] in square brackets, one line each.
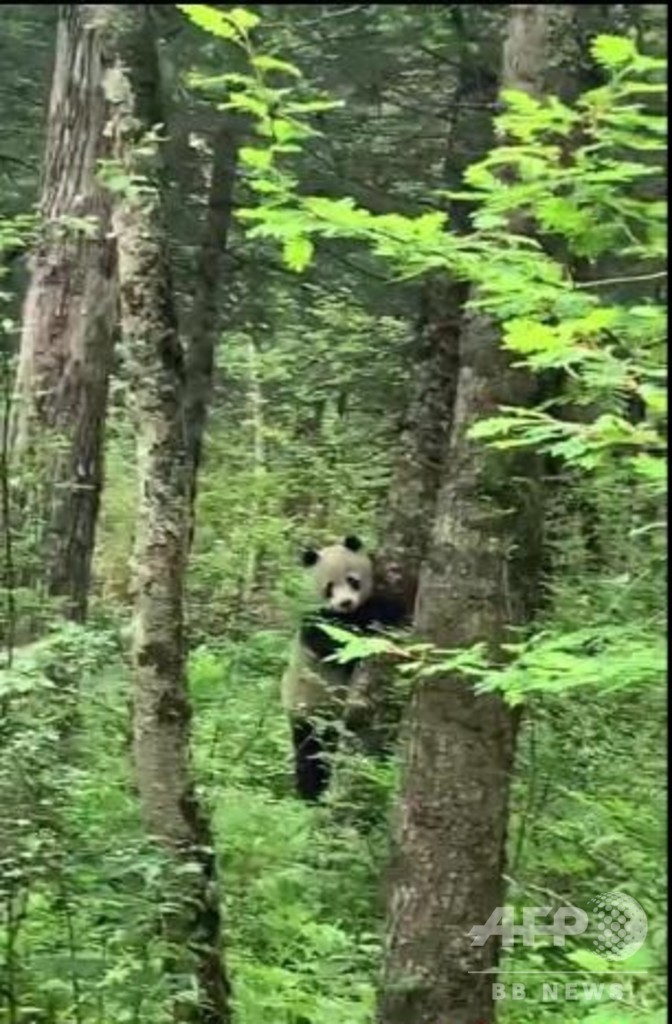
[264, 273]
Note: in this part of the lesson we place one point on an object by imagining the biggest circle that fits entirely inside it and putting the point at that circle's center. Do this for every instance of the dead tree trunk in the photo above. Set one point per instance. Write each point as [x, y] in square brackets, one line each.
[161, 713]
[69, 320]
[478, 580]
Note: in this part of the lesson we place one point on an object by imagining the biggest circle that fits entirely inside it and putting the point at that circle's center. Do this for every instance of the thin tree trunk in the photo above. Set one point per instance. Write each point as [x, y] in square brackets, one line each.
[479, 578]
[256, 416]
[69, 320]
[435, 358]
[206, 318]
[374, 708]
[417, 473]
[161, 712]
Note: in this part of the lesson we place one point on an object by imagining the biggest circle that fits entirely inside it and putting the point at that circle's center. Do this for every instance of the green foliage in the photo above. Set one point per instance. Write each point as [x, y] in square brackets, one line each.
[308, 443]
[310, 377]
[302, 942]
[234, 24]
[302, 900]
[575, 823]
[574, 175]
[588, 199]
[85, 889]
[15, 233]
[77, 905]
[579, 177]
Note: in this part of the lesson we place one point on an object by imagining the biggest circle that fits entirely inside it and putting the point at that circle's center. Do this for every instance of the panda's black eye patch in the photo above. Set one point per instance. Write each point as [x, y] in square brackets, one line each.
[328, 590]
[354, 583]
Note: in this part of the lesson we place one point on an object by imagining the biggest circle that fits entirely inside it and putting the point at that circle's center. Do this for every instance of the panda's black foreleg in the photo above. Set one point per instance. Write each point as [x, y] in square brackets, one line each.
[312, 766]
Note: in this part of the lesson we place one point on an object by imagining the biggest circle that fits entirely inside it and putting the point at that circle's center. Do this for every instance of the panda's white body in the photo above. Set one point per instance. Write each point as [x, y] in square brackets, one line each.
[310, 685]
[315, 687]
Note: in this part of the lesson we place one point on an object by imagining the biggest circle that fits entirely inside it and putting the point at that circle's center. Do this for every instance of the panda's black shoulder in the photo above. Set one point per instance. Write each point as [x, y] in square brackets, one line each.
[382, 611]
[314, 638]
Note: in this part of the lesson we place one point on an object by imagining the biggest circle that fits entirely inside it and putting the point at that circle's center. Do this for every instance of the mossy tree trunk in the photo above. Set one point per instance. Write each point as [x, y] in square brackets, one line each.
[69, 321]
[161, 715]
[478, 580]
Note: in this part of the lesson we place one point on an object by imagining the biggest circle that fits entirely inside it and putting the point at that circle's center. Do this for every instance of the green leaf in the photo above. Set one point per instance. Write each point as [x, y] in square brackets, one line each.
[243, 19]
[259, 159]
[244, 101]
[232, 25]
[297, 253]
[613, 51]
[212, 21]
[521, 102]
[264, 62]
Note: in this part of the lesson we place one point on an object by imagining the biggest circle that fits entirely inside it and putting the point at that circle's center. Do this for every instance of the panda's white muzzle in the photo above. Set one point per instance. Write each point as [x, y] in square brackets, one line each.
[344, 599]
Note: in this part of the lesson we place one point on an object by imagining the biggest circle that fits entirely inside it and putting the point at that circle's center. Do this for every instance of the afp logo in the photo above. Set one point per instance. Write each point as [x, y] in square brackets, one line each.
[618, 925]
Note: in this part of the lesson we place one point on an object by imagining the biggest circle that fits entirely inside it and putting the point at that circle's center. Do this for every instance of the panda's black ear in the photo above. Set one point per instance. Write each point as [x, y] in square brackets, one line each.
[352, 543]
[309, 556]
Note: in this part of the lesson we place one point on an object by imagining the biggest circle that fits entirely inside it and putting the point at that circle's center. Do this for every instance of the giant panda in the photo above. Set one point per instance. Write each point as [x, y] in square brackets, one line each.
[315, 687]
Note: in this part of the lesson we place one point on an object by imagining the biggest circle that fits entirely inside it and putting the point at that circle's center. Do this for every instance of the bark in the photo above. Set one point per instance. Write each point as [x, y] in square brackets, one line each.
[478, 579]
[256, 420]
[374, 709]
[161, 712]
[423, 440]
[435, 358]
[69, 321]
[205, 319]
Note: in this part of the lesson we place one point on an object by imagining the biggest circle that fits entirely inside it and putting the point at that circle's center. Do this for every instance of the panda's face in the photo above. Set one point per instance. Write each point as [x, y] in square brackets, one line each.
[343, 575]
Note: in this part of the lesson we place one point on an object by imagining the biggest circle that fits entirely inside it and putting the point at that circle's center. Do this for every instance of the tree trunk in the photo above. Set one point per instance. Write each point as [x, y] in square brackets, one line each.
[256, 419]
[69, 320]
[161, 708]
[374, 709]
[205, 316]
[435, 358]
[479, 579]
